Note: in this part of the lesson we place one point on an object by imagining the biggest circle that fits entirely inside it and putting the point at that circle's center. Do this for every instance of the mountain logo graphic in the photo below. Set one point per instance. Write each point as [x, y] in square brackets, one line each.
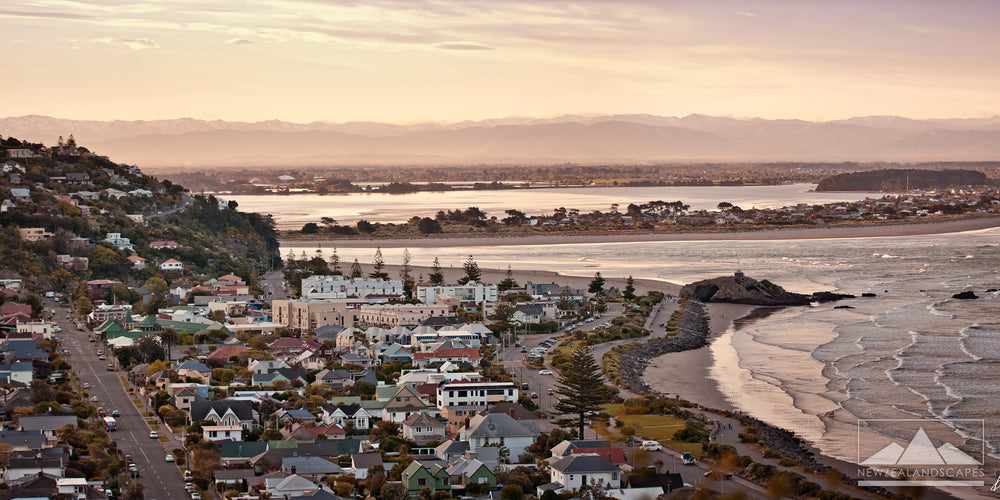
[920, 451]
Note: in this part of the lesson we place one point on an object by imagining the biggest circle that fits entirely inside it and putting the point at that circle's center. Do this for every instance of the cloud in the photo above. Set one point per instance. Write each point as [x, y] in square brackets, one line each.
[461, 46]
[132, 43]
[239, 41]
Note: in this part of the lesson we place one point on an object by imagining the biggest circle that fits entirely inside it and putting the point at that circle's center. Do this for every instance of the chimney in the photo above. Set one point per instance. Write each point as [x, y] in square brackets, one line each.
[293, 469]
[466, 422]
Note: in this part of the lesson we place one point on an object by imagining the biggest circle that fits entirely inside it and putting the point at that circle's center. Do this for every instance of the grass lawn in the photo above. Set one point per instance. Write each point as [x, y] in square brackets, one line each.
[614, 409]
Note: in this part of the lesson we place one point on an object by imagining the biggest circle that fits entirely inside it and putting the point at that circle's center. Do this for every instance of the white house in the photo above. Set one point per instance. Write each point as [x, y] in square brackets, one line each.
[340, 287]
[472, 291]
[499, 428]
[222, 432]
[475, 393]
[171, 265]
[575, 470]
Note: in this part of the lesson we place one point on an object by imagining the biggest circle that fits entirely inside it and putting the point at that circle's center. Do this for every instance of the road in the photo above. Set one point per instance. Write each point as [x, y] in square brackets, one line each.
[160, 480]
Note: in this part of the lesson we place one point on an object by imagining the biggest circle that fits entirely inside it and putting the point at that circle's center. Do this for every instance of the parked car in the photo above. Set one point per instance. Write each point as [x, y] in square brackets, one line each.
[651, 446]
[153, 435]
[545, 372]
[687, 459]
[170, 458]
[534, 395]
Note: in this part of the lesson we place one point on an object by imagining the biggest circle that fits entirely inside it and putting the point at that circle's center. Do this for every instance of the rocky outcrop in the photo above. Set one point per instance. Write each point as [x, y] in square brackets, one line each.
[740, 289]
[966, 295]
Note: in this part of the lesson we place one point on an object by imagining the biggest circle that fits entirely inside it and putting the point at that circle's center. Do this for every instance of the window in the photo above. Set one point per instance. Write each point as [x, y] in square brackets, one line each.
[422, 482]
[614, 476]
[483, 480]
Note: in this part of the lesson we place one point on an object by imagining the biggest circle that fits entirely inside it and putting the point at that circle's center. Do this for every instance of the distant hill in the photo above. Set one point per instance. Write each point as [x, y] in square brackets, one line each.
[612, 139]
[901, 179]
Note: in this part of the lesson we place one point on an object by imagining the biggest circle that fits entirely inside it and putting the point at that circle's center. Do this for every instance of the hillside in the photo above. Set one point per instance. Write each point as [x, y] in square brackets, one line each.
[614, 139]
[91, 214]
[901, 180]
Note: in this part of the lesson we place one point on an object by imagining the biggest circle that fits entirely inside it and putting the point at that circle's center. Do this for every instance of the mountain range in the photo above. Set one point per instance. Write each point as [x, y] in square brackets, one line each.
[609, 139]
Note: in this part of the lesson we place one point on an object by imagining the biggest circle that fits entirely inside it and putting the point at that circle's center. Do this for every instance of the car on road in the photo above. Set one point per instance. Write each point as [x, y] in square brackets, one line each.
[545, 372]
[93, 399]
[153, 435]
[86, 385]
[549, 392]
[190, 488]
[687, 459]
[524, 349]
[116, 414]
[170, 458]
[534, 395]
[714, 474]
[650, 445]
[111, 367]
[195, 496]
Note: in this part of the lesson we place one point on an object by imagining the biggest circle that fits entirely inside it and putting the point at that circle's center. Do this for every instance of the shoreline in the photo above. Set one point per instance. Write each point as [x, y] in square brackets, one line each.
[768, 234]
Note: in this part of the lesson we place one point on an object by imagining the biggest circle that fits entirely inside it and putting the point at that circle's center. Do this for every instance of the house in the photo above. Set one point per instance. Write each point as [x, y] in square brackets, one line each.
[225, 412]
[423, 428]
[19, 467]
[21, 372]
[468, 356]
[158, 245]
[417, 476]
[301, 415]
[171, 265]
[312, 468]
[47, 424]
[21, 194]
[23, 440]
[261, 366]
[298, 432]
[33, 233]
[403, 403]
[338, 379]
[137, 262]
[119, 242]
[239, 453]
[362, 462]
[470, 470]
[576, 470]
[502, 429]
[290, 486]
[650, 479]
[465, 393]
[340, 415]
[195, 370]
[222, 432]
[183, 399]
[355, 359]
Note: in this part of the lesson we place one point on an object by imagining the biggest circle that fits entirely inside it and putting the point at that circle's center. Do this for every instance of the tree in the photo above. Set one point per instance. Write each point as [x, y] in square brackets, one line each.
[356, 270]
[310, 228]
[503, 312]
[597, 284]
[365, 227]
[580, 388]
[328, 221]
[405, 274]
[335, 262]
[429, 226]
[629, 292]
[472, 272]
[378, 266]
[436, 276]
[507, 282]
[169, 337]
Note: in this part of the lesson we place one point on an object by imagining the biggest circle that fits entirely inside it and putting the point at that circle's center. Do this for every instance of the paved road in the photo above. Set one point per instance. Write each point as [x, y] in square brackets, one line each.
[161, 480]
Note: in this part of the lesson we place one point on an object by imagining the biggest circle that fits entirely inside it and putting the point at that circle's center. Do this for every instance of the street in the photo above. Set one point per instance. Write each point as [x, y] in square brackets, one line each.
[161, 480]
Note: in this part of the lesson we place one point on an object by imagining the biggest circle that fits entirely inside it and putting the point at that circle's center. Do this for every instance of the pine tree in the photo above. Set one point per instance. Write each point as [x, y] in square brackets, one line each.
[472, 272]
[508, 282]
[405, 274]
[335, 262]
[378, 266]
[356, 270]
[436, 276]
[597, 284]
[629, 293]
[581, 389]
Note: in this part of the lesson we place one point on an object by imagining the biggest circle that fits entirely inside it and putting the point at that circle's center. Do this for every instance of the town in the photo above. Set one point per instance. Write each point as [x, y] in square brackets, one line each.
[157, 346]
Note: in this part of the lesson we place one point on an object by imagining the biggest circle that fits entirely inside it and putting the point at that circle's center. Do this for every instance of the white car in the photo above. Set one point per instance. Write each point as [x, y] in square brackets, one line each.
[170, 458]
[545, 372]
[651, 446]
[153, 435]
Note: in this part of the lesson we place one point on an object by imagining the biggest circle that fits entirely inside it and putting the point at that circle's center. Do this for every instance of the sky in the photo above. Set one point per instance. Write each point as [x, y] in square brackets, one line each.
[406, 61]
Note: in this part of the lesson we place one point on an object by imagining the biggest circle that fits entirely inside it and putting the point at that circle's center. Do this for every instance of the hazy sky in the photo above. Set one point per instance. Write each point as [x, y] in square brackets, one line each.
[415, 60]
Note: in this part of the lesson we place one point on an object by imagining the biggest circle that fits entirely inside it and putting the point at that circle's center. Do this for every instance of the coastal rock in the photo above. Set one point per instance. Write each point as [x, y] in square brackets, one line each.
[966, 295]
[868, 294]
[740, 289]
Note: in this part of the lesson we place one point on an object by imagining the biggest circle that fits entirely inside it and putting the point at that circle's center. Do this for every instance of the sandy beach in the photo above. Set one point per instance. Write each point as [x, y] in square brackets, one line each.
[686, 373]
[769, 234]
